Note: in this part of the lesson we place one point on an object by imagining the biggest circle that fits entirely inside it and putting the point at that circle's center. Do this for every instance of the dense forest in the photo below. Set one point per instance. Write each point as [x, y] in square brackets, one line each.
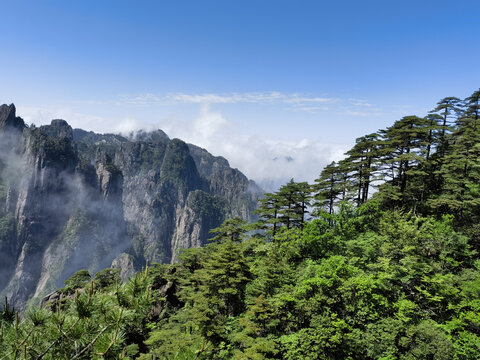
[378, 259]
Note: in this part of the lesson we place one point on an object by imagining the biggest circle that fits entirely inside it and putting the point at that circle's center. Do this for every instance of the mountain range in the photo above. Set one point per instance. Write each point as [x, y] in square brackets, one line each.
[71, 199]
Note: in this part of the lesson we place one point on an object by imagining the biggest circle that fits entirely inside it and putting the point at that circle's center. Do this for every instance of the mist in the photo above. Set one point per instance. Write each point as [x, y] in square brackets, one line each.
[72, 200]
[42, 192]
[268, 161]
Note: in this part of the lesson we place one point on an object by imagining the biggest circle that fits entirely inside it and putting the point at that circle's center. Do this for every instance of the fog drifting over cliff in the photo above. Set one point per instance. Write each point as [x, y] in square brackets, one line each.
[269, 161]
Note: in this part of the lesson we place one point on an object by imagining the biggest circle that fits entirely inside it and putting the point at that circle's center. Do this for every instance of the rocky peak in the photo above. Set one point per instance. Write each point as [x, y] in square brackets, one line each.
[207, 164]
[90, 201]
[156, 137]
[59, 128]
[179, 167]
[91, 138]
[8, 118]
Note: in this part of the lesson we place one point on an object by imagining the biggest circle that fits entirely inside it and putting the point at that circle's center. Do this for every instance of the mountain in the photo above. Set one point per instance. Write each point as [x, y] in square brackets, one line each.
[72, 199]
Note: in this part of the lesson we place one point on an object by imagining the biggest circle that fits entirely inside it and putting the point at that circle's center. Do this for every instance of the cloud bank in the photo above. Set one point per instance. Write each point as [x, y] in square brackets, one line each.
[44, 115]
[293, 100]
[232, 98]
[270, 162]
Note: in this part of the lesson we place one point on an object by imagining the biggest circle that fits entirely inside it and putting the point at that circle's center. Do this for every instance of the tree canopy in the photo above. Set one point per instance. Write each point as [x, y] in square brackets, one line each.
[378, 259]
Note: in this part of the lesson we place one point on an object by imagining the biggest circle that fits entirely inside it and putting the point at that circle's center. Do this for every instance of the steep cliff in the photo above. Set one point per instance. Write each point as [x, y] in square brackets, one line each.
[72, 199]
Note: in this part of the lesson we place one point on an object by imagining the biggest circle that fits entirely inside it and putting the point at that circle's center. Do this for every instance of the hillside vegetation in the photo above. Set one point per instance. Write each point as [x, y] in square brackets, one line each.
[378, 259]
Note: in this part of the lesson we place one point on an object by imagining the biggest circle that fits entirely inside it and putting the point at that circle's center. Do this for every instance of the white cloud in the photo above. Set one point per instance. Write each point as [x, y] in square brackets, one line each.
[356, 113]
[291, 101]
[272, 97]
[130, 124]
[270, 162]
[44, 115]
[360, 102]
[140, 99]
[300, 100]
[312, 109]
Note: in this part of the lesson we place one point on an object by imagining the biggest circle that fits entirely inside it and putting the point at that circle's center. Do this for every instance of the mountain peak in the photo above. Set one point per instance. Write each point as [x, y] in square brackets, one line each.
[58, 128]
[8, 118]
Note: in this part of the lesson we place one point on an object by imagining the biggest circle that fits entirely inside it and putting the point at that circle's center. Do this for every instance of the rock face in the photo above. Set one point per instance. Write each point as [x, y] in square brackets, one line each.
[72, 199]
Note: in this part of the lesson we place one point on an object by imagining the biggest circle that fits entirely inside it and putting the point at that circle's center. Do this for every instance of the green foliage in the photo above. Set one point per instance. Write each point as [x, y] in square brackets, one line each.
[151, 157]
[178, 166]
[288, 207]
[360, 283]
[7, 315]
[54, 150]
[6, 228]
[210, 207]
[232, 229]
[391, 276]
[77, 280]
[91, 324]
[107, 277]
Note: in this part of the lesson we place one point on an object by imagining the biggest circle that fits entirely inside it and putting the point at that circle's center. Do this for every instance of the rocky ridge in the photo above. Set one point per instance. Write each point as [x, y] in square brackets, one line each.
[72, 199]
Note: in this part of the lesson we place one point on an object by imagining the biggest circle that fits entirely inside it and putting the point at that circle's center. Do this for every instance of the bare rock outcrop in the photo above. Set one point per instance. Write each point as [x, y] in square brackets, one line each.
[72, 199]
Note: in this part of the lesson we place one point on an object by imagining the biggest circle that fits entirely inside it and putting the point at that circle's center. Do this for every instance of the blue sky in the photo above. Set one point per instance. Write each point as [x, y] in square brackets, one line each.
[250, 80]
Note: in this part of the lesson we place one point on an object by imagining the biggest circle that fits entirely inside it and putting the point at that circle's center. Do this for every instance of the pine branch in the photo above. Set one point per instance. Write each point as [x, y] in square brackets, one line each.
[94, 340]
[56, 341]
[115, 335]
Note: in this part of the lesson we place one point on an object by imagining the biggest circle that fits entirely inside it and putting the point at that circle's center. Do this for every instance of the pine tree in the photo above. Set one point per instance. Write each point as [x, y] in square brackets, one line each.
[447, 111]
[403, 151]
[326, 188]
[232, 229]
[461, 168]
[215, 291]
[362, 160]
[268, 211]
[294, 200]
[472, 109]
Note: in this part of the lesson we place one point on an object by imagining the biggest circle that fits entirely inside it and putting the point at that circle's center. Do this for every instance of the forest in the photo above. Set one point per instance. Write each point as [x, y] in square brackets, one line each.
[377, 259]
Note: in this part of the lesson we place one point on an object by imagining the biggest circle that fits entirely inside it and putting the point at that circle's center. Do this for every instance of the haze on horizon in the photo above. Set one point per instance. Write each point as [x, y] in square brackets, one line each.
[259, 83]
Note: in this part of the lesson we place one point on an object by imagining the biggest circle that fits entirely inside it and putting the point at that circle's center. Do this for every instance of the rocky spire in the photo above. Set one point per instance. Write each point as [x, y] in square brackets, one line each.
[8, 119]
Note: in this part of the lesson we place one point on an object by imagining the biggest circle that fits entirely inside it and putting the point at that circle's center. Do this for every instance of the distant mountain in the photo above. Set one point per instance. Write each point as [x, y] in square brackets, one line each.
[72, 199]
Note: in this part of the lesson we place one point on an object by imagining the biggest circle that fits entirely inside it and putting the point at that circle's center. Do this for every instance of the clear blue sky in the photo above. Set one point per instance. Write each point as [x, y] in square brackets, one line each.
[284, 73]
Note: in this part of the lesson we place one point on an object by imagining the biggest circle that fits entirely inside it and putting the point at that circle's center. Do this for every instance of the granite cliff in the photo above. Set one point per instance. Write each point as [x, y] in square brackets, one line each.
[72, 199]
